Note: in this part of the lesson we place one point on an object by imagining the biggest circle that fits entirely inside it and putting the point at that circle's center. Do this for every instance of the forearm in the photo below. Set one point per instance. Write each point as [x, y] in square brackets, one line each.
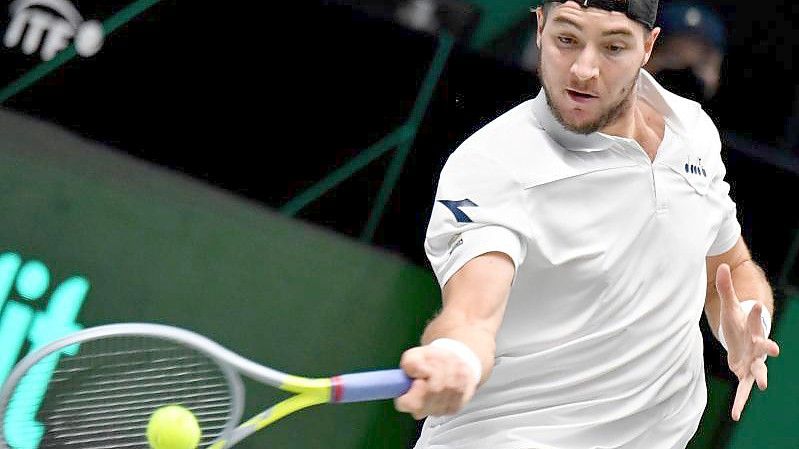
[750, 283]
[474, 302]
[476, 336]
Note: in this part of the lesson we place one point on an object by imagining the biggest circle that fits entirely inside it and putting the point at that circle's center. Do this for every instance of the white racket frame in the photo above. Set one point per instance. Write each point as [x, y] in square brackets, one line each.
[230, 363]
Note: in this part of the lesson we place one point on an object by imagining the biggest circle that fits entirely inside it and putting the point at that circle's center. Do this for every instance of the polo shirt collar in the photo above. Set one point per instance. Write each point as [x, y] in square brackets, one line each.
[648, 89]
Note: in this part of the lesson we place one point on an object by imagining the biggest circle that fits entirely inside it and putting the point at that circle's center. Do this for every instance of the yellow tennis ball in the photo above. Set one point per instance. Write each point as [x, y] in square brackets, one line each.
[173, 427]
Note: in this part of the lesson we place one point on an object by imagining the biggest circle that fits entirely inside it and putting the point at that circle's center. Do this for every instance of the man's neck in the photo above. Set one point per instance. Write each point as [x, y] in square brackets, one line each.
[642, 123]
[626, 123]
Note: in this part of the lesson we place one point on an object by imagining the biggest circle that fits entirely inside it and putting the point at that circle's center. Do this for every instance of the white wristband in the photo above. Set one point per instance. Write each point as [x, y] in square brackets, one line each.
[746, 307]
[464, 352]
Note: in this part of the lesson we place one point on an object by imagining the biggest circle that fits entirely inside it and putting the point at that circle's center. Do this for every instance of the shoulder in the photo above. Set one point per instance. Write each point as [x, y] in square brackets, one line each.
[513, 144]
[699, 134]
[696, 122]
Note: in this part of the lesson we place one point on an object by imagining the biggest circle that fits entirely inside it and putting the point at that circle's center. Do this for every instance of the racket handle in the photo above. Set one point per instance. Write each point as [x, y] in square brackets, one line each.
[370, 386]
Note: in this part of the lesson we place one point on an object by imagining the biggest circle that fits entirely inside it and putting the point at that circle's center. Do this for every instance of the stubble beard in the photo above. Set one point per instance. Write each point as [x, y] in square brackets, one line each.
[607, 117]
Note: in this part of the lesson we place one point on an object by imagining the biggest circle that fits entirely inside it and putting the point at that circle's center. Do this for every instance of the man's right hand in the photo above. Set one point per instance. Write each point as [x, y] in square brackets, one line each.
[474, 302]
[443, 382]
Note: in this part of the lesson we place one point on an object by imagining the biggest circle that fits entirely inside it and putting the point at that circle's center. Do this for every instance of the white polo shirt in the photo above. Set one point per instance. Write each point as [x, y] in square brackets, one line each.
[600, 345]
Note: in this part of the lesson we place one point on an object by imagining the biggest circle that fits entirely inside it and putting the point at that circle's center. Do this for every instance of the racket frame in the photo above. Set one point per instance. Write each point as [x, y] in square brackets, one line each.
[222, 357]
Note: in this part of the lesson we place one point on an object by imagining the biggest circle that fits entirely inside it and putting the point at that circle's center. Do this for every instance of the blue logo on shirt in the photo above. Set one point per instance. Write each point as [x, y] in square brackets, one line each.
[454, 207]
[695, 168]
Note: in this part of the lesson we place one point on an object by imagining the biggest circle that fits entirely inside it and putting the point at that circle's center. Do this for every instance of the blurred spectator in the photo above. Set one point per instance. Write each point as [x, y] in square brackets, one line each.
[688, 54]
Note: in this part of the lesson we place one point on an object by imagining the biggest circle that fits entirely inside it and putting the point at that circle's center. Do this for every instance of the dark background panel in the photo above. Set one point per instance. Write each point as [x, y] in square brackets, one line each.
[266, 103]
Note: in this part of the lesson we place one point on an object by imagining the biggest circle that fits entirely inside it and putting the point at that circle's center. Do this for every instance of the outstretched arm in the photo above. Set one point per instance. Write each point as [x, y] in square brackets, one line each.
[474, 301]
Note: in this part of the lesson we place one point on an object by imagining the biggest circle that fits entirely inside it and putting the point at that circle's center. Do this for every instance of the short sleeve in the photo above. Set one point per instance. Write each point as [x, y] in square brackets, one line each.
[479, 208]
[730, 229]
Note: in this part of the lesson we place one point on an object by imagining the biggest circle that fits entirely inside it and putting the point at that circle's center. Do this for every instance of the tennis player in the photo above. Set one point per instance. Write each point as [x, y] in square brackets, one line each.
[577, 239]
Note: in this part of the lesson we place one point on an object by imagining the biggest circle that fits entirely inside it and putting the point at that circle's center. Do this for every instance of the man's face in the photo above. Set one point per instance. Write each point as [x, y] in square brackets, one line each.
[589, 63]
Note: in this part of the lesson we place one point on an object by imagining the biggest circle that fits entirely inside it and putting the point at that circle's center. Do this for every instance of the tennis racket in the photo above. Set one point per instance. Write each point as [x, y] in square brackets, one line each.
[97, 389]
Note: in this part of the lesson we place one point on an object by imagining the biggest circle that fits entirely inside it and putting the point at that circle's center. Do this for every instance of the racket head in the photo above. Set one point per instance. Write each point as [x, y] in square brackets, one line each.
[97, 388]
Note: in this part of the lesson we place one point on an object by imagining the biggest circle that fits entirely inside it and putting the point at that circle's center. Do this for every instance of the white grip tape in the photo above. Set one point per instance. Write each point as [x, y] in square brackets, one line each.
[464, 352]
[746, 307]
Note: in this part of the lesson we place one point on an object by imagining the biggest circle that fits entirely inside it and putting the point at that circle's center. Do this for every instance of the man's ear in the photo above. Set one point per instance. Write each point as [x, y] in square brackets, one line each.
[649, 44]
[539, 15]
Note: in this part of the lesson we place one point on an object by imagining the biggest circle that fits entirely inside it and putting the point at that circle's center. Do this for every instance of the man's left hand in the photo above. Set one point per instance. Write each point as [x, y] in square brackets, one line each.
[747, 346]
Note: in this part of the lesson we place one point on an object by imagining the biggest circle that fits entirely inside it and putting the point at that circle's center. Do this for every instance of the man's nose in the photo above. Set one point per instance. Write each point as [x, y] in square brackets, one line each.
[586, 67]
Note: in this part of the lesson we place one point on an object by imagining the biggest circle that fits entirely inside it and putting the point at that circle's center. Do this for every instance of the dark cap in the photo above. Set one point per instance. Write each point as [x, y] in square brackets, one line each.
[644, 11]
[693, 19]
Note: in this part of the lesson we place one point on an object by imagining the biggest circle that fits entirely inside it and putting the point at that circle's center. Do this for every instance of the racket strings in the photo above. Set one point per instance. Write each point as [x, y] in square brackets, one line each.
[103, 396]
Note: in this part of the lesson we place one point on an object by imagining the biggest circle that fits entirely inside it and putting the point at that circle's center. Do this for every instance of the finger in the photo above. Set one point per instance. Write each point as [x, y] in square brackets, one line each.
[414, 363]
[413, 401]
[456, 389]
[453, 390]
[764, 346]
[754, 321]
[759, 370]
[772, 348]
[741, 396]
[729, 300]
[466, 379]
[438, 375]
[463, 387]
[447, 400]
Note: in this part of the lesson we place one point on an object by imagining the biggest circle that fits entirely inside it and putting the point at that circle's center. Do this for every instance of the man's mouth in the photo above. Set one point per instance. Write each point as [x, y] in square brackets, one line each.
[579, 96]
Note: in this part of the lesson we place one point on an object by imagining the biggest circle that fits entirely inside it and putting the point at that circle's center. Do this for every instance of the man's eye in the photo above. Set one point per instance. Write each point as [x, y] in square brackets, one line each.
[565, 40]
[615, 48]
